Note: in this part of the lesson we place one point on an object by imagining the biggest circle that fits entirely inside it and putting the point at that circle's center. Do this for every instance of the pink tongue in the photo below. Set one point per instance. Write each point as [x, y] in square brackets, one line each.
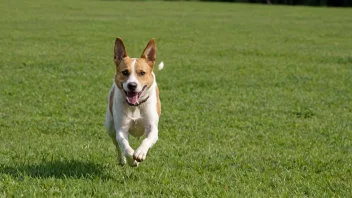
[132, 97]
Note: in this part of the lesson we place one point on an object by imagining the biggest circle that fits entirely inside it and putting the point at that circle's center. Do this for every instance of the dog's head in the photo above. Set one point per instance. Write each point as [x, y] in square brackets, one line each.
[134, 76]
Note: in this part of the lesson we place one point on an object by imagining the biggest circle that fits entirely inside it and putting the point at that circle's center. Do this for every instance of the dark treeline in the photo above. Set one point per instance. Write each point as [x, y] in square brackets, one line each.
[339, 3]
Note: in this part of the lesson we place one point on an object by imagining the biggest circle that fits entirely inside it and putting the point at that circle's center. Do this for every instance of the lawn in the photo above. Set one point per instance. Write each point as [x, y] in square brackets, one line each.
[256, 99]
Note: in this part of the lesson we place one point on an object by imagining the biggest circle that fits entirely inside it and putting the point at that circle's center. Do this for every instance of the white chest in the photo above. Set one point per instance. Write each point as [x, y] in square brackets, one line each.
[136, 124]
[136, 128]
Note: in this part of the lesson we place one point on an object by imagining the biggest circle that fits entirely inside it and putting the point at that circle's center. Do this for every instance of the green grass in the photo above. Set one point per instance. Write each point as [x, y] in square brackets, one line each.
[256, 100]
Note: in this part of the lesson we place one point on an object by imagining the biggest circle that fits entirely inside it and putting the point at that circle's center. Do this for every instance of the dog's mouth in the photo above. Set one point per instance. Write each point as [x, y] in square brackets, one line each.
[132, 98]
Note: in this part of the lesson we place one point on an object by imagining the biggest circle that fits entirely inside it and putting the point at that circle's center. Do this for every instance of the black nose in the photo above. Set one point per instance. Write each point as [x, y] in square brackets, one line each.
[132, 86]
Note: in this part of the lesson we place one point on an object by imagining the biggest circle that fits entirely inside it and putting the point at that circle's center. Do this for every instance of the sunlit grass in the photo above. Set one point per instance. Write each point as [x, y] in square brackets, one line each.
[256, 100]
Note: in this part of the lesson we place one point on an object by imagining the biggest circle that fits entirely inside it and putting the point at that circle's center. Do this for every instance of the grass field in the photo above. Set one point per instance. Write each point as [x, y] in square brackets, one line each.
[256, 100]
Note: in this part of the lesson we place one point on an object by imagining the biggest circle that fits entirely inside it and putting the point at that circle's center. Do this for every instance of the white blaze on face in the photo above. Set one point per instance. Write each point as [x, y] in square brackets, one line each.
[132, 97]
[132, 78]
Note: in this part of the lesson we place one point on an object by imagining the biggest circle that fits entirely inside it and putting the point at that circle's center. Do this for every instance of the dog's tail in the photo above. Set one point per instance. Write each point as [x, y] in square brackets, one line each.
[161, 65]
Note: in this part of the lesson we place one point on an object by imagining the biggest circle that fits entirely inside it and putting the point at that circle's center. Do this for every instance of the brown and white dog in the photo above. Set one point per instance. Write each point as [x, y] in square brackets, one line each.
[133, 103]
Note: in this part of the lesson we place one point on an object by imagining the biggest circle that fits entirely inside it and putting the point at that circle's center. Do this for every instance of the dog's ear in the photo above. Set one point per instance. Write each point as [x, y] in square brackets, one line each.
[119, 50]
[149, 53]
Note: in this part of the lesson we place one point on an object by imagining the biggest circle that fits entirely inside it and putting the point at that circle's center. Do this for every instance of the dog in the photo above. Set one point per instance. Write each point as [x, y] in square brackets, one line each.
[134, 105]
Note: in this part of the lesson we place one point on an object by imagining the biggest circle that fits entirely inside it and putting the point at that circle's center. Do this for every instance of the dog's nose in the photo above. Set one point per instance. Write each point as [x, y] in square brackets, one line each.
[132, 86]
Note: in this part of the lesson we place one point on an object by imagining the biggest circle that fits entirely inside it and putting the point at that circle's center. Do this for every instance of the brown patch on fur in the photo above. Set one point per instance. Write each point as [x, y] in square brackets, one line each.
[119, 51]
[111, 101]
[158, 104]
[142, 66]
[149, 53]
[125, 64]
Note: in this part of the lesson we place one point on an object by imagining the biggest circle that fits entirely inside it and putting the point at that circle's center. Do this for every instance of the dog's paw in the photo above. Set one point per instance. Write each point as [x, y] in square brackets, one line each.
[140, 154]
[121, 160]
[129, 158]
[131, 162]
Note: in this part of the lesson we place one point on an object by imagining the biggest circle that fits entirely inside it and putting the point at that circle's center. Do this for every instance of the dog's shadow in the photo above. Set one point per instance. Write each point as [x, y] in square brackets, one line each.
[55, 169]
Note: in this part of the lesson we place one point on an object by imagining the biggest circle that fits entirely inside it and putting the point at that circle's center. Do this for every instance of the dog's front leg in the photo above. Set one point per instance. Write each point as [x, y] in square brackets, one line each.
[151, 137]
[122, 139]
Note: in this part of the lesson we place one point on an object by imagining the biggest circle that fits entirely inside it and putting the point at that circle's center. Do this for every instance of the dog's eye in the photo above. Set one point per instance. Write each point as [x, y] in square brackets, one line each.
[142, 73]
[125, 72]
